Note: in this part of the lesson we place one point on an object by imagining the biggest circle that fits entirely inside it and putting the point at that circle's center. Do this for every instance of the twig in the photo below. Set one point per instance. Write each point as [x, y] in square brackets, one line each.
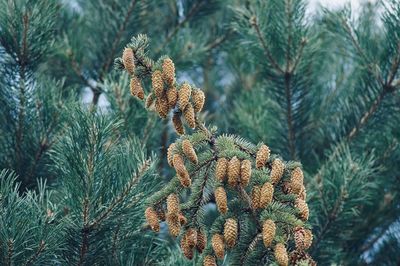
[84, 232]
[191, 13]
[136, 177]
[250, 248]
[267, 52]
[40, 249]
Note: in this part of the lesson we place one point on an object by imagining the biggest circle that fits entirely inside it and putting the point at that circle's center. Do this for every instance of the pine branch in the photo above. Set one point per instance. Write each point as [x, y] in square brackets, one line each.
[135, 179]
[84, 246]
[40, 249]
[195, 8]
[10, 252]
[250, 248]
[264, 46]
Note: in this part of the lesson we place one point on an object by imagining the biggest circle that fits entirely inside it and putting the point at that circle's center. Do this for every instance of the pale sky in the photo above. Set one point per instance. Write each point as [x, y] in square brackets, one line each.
[355, 4]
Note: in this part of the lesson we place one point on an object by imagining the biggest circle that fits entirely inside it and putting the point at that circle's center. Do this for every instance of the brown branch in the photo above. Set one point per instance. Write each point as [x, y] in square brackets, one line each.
[289, 115]
[10, 252]
[172, 33]
[84, 247]
[367, 115]
[40, 249]
[267, 52]
[22, 75]
[395, 65]
[250, 248]
[136, 177]
[114, 45]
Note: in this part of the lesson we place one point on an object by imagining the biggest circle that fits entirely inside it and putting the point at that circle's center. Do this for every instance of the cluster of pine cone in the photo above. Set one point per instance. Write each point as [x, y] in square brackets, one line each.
[166, 94]
[230, 171]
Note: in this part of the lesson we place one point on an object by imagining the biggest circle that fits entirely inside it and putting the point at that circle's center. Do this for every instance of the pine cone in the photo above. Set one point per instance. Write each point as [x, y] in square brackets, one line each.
[152, 219]
[190, 117]
[168, 70]
[303, 193]
[188, 150]
[186, 250]
[245, 172]
[176, 120]
[256, 197]
[201, 241]
[173, 223]
[267, 192]
[182, 219]
[162, 107]
[221, 200]
[221, 169]
[184, 95]
[268, 232]
[302, 238]
[172, 96]
[128, 59]
[230, 232]
[233, 171]
[198, 100]
[296, 180]
[300, 257]
[149, 100]
[209, 261]
[303, 209]
[136, 88]
[157, 83]
[181, 170]
[277, 171]
[191, 237]
[281, 255]
[217, 243]
[170, 154]
[173, 203]
[262, 156]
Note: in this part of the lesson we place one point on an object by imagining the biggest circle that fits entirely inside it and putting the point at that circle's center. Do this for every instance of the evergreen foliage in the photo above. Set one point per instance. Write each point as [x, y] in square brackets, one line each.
[83, 163]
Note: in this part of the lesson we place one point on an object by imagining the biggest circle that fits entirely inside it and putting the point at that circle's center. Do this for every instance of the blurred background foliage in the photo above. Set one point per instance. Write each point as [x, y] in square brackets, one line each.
[80, 154]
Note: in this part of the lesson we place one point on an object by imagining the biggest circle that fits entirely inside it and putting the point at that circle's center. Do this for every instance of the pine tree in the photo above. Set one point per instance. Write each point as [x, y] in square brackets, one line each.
[88, 169]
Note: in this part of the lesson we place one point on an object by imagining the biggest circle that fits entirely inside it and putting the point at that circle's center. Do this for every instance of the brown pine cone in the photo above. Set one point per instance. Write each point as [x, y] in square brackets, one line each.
[128, 59]
[198, 100]
[221, 169]
[191, 237]
[262, 156]
[170, 154]
[245, 172]
[157, 83]
[277, 171]
[256, 197]
[296, 180]
[221, 200]
[136, 88]
[172, 96]
[176, 120]
[152, 219]
[233, 171]
[188, 150]
[186, 250]
[209, 261]
[230, 232]
[168, 71]
[184, 95]
[173, 203]
[281, 255]
[201, 241]
[182, 219]
[217, 243]
[181, 170]
[173, 223]
[190, 116]
[302, 238]
[162, 107]
[268, 232]
[302, 206]
[267, 192]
